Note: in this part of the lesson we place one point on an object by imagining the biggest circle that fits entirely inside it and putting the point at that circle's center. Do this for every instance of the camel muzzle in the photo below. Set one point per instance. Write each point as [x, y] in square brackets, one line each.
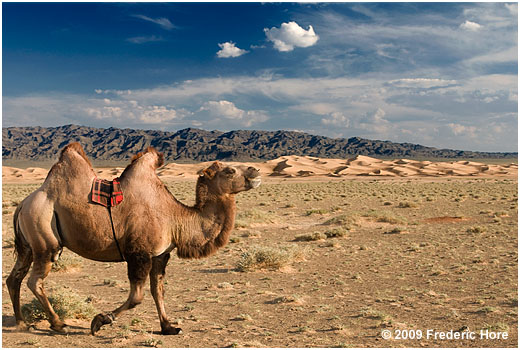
[255, 182]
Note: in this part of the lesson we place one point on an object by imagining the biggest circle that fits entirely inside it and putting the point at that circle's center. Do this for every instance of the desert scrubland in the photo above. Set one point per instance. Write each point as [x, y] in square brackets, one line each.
[325, 253]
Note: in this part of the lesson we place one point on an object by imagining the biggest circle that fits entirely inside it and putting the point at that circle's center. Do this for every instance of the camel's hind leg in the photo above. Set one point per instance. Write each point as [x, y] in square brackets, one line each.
[139, 265]
[21, 267]
[157, 289]
[41, 268]
[35, 228]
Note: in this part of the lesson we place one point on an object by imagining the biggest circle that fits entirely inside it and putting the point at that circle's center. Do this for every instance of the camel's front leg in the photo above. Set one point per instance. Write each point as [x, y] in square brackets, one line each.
[139, 266]
[157, 289]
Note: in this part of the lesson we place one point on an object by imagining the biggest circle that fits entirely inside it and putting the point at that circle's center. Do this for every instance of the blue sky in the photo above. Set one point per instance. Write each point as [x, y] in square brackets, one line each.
[438, 74]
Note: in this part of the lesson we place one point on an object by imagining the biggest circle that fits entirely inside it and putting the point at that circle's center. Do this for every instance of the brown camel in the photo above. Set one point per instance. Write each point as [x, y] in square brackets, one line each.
[149, 224]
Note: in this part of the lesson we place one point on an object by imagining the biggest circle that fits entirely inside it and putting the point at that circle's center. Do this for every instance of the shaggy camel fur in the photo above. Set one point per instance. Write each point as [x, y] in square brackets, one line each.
[149, 224]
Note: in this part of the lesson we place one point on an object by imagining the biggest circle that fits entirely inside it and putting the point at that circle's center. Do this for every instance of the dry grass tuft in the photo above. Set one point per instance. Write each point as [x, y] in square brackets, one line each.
[67, 262]
[308, 237]
[343, 219]
[336, 232]
[244, 219]
[66, 304]
[269, 258]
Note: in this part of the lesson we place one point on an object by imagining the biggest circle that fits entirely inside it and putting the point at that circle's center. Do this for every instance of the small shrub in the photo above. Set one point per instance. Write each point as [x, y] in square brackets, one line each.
[66, 263]
[376, 315]
[336, 232]
[243, 317]
[288, 299]
[225, 285]
[316, 211]
[486, 309]
[475, 229]
[342, 220]
[269, 258]
[497, 327]
[248, 217]
[65, 303]
[395, 230]
[315, 236]
[152, 343]
[248, 234]
[407, 205]
[136, 322]
[383, 216]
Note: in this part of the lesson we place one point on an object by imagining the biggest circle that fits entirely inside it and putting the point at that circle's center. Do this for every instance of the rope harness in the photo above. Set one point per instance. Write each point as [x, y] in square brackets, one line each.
[108, 194]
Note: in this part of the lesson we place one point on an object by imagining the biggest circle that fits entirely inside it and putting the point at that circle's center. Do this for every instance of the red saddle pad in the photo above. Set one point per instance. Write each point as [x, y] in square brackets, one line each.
[107, 193]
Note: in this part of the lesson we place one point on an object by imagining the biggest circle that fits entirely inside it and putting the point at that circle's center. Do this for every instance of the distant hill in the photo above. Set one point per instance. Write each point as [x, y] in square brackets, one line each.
[43, 144]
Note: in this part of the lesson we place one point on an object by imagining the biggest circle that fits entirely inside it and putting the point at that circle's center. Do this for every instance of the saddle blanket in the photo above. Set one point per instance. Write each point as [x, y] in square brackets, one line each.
[107, 193]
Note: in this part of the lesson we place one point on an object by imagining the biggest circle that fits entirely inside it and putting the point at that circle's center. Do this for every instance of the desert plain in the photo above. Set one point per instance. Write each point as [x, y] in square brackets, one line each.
[325, 253]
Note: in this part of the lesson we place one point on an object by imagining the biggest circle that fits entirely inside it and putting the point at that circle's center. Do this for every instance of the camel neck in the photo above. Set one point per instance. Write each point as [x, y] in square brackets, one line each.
[221, 211]
[213, 221]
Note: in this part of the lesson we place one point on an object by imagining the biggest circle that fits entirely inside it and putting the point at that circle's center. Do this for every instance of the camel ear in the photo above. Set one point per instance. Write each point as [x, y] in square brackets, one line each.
[212, 170]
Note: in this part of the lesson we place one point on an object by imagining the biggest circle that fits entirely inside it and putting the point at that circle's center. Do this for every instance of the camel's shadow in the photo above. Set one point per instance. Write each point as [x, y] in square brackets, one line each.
[9, 326]
[8, 321]
[216, 270]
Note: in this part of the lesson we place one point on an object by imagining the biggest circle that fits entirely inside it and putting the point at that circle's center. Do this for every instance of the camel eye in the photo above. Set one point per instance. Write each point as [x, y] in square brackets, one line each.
[230, 171]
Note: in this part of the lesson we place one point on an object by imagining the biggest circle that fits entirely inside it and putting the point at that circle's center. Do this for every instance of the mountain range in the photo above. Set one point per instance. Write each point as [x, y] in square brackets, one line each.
[195, 145]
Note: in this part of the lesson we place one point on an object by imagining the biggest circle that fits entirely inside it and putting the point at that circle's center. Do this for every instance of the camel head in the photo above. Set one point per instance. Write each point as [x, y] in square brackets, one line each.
[221, 179]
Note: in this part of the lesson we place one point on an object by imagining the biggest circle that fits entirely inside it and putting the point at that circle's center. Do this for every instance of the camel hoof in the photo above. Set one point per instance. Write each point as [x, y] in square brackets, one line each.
[169, 330]
[22, 326]
[59, 327]
[98, 322]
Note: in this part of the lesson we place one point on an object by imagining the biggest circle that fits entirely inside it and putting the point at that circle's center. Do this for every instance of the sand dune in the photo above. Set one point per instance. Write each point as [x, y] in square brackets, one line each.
[304, 166]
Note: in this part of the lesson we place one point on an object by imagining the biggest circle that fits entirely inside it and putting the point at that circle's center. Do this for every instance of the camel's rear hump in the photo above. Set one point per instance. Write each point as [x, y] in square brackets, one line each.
[158, 157]
[144, 162]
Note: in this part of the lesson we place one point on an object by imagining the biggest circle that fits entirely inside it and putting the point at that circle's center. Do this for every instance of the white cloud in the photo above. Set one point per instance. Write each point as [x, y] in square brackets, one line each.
[144, 39]
[513, 8]
[424, 83]
[506, 55]
[131, 112]
[318, 108]
[157, 114]
[336, 119]
[459, 130]
[291, 35]
[390, 51]
[375, 121]
[162, 22]
[106, 112]
[471, 26]
[223, 108]
[375, 107]
[229, 49]
[228, 110]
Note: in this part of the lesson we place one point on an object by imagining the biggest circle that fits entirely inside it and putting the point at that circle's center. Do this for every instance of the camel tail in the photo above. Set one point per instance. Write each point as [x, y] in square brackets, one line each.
[19, 240]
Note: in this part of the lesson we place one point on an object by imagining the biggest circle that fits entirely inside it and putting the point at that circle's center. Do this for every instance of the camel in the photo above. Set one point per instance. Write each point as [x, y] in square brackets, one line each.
[149, 224]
